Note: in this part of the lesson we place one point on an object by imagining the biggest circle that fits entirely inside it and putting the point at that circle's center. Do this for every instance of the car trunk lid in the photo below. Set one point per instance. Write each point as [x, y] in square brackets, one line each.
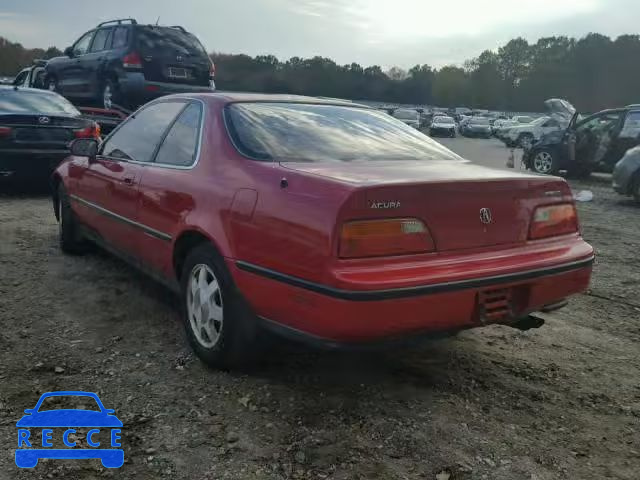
[39, 131]
[464, 205]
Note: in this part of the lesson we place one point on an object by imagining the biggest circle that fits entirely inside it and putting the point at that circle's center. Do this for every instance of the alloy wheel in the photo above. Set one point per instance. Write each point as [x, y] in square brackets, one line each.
[205, 305]
[543, 162]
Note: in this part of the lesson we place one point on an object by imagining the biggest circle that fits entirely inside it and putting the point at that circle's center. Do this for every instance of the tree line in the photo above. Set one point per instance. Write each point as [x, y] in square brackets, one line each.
[593, 72]
[14, 57]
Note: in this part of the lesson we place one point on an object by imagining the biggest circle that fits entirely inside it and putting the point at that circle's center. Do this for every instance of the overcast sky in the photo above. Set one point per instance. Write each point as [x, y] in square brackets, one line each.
[382, 32]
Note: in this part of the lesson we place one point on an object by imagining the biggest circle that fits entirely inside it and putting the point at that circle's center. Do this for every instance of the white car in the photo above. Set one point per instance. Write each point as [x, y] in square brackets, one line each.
[525, 135]
[408, 116]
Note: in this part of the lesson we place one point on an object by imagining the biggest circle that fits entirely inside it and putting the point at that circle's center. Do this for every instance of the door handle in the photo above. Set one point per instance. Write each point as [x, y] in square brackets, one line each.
[129, 181]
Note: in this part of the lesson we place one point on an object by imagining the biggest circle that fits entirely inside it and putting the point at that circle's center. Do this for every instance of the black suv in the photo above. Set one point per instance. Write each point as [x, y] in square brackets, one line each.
[123, 63]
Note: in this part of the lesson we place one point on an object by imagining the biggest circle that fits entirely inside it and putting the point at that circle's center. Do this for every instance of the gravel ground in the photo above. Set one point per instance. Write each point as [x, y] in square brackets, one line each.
[561, 402]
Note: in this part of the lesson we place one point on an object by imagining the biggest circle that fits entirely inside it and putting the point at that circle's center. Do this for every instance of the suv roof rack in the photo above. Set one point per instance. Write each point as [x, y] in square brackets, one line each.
[119, 21]
[179, 28]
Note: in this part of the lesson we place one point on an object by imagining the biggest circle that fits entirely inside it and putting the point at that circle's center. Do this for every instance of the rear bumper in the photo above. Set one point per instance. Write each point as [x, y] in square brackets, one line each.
[134, 86]
[34, 163]
[442, 131]
[355, 316]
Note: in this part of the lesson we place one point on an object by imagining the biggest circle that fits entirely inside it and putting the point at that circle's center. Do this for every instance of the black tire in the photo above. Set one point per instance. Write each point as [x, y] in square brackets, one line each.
[580, 172]
[544, 161]
[237, 333]
[635, 187]
[110, 89]
[70, 237]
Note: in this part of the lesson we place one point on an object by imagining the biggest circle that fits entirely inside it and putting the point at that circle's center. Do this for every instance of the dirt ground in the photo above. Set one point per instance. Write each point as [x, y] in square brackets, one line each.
[561, 402]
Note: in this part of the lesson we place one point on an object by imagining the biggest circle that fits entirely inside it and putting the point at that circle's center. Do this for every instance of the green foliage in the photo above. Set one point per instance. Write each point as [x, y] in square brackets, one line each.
[593, 72]
[14, 57]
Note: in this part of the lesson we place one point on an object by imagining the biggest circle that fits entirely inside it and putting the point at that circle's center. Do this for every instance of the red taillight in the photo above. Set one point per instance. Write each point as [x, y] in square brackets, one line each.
[92, 131]
[152, 88]
[376, 238]
[212, 70]
[132, 60]
[553, 220]
[5, 131]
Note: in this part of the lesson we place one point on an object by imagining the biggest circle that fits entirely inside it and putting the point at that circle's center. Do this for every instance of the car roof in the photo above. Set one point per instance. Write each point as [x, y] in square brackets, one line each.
[232, 97]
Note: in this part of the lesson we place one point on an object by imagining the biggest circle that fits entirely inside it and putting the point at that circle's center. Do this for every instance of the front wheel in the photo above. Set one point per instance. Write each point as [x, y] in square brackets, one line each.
[635, 187]
[70, 238]
[544, 162]
[219, 325]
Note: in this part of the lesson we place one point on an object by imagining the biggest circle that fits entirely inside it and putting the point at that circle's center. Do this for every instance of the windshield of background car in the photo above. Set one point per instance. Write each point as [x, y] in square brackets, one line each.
[479, 121]
[69, 402]
[34, 102]
[168, 40]
[406, 114]
[318, 133]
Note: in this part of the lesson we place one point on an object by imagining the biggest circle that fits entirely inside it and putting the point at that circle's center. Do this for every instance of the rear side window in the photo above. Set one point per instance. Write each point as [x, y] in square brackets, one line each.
[120, 37]
[168, 40]
[180, 146]
[138, 138]
[102, 40]
[319, 133]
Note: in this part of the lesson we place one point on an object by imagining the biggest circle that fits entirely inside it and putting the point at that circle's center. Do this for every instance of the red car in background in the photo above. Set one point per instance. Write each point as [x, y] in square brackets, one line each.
[321, 220]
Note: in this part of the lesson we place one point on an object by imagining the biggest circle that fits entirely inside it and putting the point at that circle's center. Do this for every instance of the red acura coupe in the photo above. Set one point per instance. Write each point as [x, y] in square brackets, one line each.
[321, 220]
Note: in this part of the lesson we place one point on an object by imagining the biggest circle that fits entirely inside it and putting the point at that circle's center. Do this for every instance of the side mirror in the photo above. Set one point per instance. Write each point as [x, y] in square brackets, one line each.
[85, 147]
[68, 51]
[109, 411]
[29, 410]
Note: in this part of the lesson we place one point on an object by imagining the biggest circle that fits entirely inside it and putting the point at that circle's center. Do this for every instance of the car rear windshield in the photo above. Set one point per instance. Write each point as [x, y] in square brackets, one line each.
[167, 39]
[26, 101]
[319, 133]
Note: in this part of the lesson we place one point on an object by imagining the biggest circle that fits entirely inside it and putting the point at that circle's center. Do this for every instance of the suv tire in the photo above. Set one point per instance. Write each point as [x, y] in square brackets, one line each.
[635, 187]
[70, 238]
[219, 325]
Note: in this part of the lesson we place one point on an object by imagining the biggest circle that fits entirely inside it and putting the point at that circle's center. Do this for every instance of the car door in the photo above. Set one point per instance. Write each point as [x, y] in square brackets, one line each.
[93, 61]
[165, 187]
[71, 77]
[626, 137]
[591, 139]
[107, 189]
